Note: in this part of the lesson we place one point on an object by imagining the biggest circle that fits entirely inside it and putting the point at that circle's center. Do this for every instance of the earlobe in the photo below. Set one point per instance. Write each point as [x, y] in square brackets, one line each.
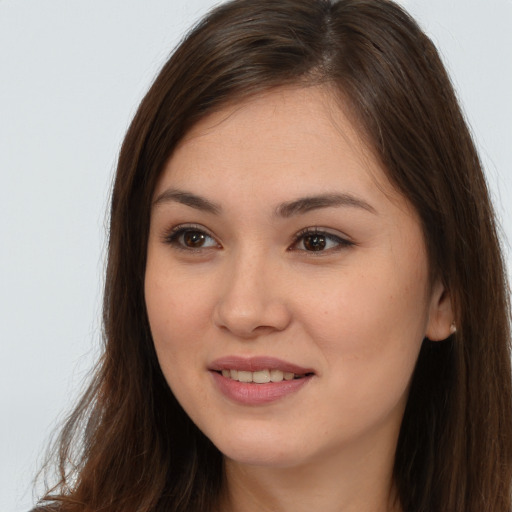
[441, 323]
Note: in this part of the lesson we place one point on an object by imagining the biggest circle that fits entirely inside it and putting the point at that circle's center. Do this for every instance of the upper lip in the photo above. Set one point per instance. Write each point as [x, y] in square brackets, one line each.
[258, 363]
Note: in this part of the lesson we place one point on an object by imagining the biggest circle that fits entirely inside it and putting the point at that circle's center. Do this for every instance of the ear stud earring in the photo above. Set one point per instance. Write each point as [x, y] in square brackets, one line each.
[453, 328]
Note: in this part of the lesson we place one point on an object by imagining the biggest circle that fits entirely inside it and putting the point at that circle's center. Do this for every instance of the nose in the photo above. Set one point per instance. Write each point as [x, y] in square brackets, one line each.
[251, 300]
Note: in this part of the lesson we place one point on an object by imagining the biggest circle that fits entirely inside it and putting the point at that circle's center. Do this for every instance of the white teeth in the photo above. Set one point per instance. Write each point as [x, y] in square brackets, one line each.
[244, 376]
[259, 377]
[276, 375]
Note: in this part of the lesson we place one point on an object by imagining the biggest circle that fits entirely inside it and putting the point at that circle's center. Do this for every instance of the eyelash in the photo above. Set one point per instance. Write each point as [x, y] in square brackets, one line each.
[173, 238]
[342, 243]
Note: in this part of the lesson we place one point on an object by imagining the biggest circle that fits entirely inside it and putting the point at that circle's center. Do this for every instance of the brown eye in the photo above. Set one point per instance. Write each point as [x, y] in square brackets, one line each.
[315, 242]
[194, 239]
[189, 238]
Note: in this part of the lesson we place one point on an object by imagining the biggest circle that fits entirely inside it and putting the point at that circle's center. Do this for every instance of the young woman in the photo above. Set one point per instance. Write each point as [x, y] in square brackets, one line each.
[305, 305]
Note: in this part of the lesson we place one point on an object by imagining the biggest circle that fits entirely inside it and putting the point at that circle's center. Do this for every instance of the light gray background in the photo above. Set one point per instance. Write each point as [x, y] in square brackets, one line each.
[71, 75]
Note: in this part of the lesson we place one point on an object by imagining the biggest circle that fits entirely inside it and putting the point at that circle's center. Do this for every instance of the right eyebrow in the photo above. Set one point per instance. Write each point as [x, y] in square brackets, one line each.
[187, 198]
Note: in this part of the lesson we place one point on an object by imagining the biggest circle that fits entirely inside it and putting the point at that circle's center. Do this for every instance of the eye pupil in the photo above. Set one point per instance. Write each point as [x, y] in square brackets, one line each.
[193, 238]
[314, 242]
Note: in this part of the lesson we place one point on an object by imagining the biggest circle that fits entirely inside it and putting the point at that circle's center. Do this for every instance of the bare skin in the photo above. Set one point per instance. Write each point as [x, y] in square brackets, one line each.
[275, 234]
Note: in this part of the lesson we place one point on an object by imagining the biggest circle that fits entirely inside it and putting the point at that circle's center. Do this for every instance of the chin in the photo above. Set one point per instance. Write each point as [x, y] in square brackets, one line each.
[263, 458]
[262, 449]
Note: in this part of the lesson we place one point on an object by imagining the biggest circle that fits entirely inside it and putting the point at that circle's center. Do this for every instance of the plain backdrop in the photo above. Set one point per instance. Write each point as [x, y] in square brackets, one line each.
[71, 75]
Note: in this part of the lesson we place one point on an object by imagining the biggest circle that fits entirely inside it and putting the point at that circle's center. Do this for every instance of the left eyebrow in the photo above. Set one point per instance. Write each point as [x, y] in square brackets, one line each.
[306, 204]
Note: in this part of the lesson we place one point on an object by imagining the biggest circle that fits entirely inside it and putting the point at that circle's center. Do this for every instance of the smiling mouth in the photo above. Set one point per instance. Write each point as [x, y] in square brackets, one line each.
[261, 376]
[258, 380]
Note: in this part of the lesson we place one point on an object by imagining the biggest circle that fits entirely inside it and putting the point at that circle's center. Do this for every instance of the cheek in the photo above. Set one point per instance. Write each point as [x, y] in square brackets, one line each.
[175, 300]
[370, 341]
[175, 317]
[370, 327]
[363, 307]
[173, 312]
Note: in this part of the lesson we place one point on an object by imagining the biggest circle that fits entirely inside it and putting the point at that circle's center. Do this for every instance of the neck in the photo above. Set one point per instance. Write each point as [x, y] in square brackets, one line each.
[358, 482]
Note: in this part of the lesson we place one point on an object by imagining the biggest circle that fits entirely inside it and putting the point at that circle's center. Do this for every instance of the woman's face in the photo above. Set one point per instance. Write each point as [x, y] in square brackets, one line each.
[287, 283]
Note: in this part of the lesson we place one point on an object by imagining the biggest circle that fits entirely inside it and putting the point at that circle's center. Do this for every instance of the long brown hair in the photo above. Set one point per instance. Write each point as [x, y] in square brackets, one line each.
[128, 445]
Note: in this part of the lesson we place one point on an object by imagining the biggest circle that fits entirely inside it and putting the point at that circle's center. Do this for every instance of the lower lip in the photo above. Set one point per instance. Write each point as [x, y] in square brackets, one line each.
[249, 393]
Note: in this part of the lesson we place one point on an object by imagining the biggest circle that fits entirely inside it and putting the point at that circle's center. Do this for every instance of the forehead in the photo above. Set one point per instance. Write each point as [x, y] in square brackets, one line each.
[290, 137]
[282, 116]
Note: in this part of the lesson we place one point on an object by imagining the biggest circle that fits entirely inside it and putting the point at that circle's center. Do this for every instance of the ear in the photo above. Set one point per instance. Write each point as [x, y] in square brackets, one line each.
[441, 323]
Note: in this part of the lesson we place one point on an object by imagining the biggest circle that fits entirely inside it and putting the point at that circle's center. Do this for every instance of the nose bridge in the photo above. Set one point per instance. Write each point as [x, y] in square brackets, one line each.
[251, 300]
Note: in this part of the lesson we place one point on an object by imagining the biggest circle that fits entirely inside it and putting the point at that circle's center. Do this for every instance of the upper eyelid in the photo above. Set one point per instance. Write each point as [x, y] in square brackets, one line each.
[167, 234]
[323, 231]
[189, 226]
